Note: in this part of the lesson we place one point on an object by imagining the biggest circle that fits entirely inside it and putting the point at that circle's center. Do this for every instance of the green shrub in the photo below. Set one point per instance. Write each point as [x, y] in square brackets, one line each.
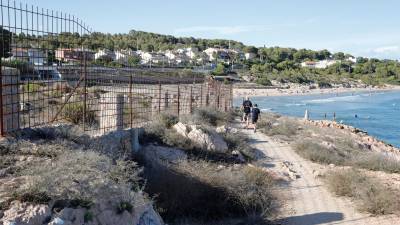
[263, 81]
[208, 116]
[124, 206]
[32, 87]
[88, 216]
[168, 120]
[73, 112]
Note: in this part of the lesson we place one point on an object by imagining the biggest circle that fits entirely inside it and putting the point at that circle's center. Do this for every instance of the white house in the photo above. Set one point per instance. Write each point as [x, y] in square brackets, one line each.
[105, 54]
[323, 64]
[32, 55]
[152, 57]
[352, 59]
[250, 55]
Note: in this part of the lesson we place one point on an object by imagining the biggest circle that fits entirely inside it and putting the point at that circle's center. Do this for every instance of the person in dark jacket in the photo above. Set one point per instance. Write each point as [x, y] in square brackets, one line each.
[255, 115]
[246, 107]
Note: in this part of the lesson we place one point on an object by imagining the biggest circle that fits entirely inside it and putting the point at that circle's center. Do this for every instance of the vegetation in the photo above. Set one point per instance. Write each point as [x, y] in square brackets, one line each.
[74, 113]
[371, 195]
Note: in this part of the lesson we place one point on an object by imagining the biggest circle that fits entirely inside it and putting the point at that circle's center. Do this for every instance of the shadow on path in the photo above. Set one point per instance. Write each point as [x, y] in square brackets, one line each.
[313, 219]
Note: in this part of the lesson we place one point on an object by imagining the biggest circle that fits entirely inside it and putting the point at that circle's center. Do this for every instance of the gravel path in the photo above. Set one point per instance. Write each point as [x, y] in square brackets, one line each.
[307, 201]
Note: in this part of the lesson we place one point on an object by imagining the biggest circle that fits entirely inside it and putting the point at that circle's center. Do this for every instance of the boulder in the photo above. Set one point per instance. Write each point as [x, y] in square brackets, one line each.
[210, 141]
[222, 129]
[181, 129]
[26, 214]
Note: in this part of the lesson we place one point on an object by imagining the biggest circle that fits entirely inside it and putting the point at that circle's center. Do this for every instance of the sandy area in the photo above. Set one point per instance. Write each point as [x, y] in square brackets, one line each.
[305, 90]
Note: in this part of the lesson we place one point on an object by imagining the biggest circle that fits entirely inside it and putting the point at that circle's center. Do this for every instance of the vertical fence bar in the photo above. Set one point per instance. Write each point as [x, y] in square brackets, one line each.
[179, 98]
[84, 89]
[208, 95]
[159, 97]
[131, 100]
[201, 95]
[1, 99]
[191, 100]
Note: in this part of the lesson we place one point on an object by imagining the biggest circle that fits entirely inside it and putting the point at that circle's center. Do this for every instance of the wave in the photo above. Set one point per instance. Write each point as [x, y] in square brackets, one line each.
[266, 110]
[352, 98]
[296, 104]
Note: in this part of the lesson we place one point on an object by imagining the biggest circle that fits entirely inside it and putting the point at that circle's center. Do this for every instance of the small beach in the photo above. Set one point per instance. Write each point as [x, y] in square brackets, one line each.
[306, 90]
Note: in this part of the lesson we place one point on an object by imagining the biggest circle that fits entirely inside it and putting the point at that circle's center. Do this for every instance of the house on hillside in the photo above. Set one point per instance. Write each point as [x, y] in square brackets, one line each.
[153, 57]
[250, 55]
[219, 53]
[33, 56]
[74, 54]
[105, 54]
[323, 64]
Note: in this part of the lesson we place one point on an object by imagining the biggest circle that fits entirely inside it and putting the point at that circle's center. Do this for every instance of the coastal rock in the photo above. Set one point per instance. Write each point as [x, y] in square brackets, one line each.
[26, 214]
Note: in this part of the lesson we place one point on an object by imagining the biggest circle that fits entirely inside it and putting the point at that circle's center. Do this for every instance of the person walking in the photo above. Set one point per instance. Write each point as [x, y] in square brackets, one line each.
[255, 115]
[246, 107]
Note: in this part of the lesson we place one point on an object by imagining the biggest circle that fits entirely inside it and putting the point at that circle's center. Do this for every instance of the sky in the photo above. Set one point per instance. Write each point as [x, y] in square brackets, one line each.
[368, 28]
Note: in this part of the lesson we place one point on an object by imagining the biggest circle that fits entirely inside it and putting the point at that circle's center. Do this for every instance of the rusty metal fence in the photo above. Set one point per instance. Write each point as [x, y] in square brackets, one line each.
[49, 75]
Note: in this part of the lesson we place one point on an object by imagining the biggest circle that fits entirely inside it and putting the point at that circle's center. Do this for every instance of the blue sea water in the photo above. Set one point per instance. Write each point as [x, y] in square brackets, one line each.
[378, 113]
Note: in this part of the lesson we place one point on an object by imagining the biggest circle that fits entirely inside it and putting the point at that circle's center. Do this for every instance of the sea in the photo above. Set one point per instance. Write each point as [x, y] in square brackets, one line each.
[376, 112]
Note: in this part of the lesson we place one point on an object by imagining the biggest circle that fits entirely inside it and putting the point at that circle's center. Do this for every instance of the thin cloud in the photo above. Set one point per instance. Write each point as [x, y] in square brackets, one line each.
[223, 30]
[387, 49]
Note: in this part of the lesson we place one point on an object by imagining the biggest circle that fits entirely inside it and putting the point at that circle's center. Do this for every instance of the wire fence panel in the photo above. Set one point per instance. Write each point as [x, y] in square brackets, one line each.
[49, 74]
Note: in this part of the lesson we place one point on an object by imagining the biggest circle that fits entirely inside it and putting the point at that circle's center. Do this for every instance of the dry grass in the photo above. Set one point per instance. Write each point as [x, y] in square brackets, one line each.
[62, 167]
[370, 195]
[200, 190]
[318, 153]
[74, 113]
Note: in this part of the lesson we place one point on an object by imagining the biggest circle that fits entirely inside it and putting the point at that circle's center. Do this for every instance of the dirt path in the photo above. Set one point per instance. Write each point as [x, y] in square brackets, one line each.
[308, 202]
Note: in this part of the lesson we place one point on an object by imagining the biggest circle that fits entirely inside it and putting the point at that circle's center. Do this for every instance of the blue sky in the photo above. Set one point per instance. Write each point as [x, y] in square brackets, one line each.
[360, 27]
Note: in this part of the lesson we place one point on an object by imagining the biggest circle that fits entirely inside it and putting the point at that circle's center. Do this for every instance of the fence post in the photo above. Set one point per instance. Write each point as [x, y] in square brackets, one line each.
[131, 99]
[120, 111]
[84, 89]
[179, 96]
[191, 100]
[201, 95]
[1, 100]
[208, 95]
[159, 97]
[166, 100]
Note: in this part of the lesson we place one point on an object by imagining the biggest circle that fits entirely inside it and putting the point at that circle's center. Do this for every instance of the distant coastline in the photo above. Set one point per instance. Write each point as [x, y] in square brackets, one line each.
[305, 90]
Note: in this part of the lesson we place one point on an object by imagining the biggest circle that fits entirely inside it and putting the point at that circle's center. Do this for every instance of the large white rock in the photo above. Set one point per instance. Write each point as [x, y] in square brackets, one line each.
[25, 214]
[181, 129]
[207, 140]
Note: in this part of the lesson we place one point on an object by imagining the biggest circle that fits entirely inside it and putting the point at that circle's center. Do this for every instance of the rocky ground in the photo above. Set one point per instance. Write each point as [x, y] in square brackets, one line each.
[58, 175]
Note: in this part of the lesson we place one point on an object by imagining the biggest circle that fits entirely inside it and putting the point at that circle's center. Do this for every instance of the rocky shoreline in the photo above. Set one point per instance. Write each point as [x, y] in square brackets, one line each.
[362, 138]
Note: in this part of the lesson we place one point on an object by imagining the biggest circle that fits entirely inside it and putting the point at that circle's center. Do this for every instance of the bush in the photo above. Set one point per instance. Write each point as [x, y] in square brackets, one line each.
[371, 196]
[187, 188]
[376, 162]
[209, 116]
[80, 176]
[31, 87]
[264, 81]
[240, 142]
[73, 112]
[318, 153]
[284, 128]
